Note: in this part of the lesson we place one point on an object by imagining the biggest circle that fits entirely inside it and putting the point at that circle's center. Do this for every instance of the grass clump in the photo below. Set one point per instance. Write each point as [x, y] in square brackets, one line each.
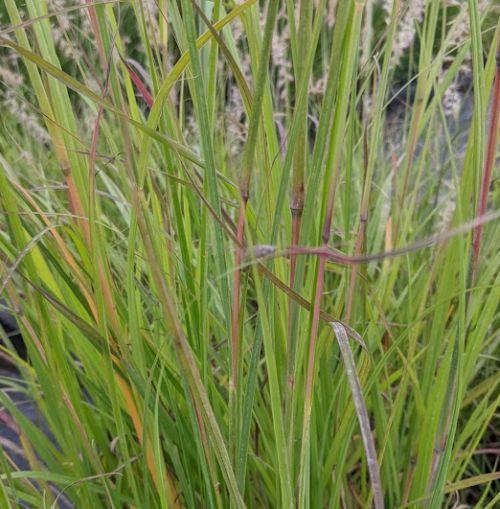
[252, 251]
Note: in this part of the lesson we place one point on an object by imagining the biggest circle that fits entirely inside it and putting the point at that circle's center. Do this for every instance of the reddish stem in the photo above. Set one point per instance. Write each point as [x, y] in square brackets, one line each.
[296, 223]
[314, 335]
[354, 272]
[95, 28]
[314, 328]
[488, 168]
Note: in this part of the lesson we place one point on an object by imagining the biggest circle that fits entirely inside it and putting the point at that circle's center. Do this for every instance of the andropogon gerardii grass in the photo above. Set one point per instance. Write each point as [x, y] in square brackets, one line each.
[252, 249]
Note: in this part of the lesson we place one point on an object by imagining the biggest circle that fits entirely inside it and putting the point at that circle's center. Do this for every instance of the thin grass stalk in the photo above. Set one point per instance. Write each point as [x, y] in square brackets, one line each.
[94, 23]
[245, 181]
[255, 115]
[283, 474]
[305, 445]
[94, 240]
[358, 250]
[210, 180]
[371, 157]
[291, 12]
[449, 416]
[234, 397]
[212, 79]
[300, 150]
[297, 198]
[235, 334]
[299, 43]
[331, 185]
[296, 125]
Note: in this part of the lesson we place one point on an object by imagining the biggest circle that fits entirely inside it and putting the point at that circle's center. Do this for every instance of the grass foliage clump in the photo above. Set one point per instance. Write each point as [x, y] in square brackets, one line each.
[251, 248]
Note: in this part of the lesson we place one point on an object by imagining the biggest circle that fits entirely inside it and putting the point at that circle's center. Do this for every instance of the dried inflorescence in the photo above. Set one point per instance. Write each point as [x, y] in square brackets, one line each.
[406, 31]
[446, 205]
[16, 106]
[11, 83]
[65, 23]
[452, 100]
[9, 77]
[280, 58]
